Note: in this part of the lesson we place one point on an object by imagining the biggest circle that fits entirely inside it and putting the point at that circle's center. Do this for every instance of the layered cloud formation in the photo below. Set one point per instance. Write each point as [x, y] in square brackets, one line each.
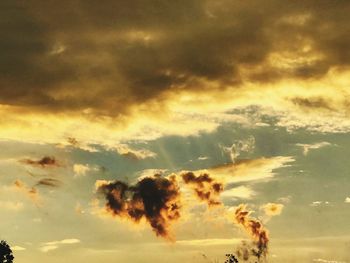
[122, 68]
[158, 200]
[103, 85]
[110, 56]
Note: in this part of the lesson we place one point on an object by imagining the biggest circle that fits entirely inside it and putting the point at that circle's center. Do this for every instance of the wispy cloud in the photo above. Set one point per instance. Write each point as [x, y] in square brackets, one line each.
[242, 192]
[285, 199]
[53, 245]
[239, 146]
[320, 203]
[50, 182]
[134, 154]
[327, 261]
[45, 162]
[202, 158]
[30, 192]
[250, 170]
[64, 241]
[47, 248]
[308, 147]
[18, 248]
[13, 206]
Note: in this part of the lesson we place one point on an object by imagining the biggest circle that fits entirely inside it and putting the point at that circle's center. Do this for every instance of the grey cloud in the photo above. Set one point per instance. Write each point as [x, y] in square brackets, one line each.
[50, 182]
[114, 54]
[44, 162]
[312, 103]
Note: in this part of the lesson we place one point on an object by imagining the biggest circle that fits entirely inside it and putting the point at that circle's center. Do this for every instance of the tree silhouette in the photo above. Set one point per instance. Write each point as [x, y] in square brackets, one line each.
[231, 259]
[6, 255]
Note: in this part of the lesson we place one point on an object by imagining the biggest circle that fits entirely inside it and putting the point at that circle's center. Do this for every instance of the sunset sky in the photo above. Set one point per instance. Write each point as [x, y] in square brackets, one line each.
[214, 105]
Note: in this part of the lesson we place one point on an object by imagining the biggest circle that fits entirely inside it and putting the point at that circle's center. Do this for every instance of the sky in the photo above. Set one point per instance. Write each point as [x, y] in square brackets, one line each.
[178, 131]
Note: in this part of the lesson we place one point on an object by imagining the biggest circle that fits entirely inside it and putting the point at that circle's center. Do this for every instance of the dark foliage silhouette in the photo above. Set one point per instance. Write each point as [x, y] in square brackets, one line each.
[6, 255]
[231, 259]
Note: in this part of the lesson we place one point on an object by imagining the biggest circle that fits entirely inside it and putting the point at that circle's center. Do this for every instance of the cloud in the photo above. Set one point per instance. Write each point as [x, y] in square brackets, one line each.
[327, 261]
[150, 172]
[17, 248]
[206, 188]
[347, 200]
[12, 206]
[256, 231]
[79, 209]
[319, 203]
[242, 192]
[272, 209]
[175, 68]
[80, 169]
[73, 142]
[285, 199]
[64, 241]
[308, 147]
[319, 103]
[161, 50]
[46, 249]
[202, 181]
[30, 192]
[239, 146]
[126, 151]
[155, 199]
[44, 162]
[250, 170]
[53, 245]
[58, 49]
[50, 182]
[37, 220]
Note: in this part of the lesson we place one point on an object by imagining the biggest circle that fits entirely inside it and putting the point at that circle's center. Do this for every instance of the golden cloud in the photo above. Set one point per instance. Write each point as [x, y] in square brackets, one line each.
[272, 209]
[174, 72]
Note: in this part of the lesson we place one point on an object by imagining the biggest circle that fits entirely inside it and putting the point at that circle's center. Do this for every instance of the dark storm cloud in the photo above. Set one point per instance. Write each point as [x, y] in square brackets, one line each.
[27, 73]
[44, 162]
[155, 199]
[110, 55]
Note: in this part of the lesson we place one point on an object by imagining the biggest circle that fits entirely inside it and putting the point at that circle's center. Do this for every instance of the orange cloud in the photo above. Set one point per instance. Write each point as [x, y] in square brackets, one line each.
[255, 229]
[30, 192]
[206, 188]
[272, 209]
